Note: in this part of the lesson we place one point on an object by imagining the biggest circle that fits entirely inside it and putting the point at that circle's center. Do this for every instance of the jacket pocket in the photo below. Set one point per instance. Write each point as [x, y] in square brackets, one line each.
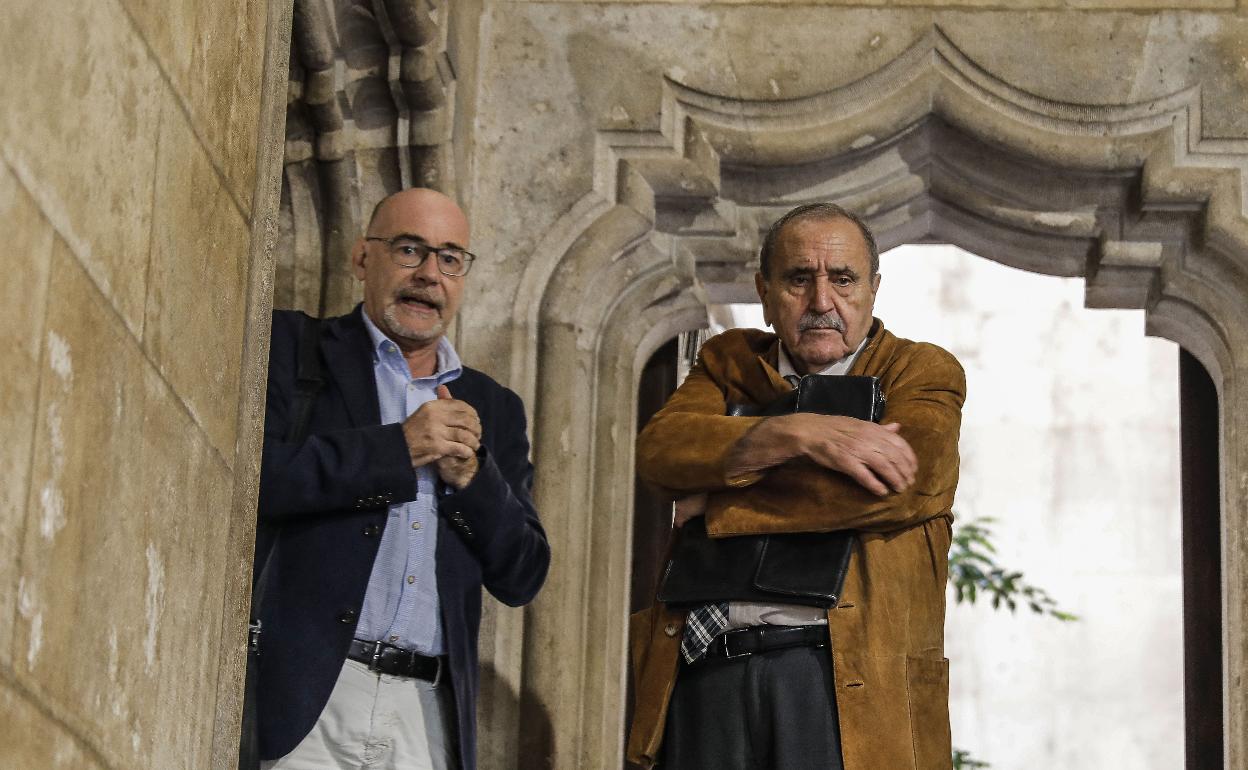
[927, 685]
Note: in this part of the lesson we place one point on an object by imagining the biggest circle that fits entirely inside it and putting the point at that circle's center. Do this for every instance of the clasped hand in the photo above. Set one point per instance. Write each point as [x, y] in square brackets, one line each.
[447, 433]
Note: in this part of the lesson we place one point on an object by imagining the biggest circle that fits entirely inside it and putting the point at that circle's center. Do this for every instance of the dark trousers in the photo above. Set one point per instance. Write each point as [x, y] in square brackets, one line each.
[768, 711]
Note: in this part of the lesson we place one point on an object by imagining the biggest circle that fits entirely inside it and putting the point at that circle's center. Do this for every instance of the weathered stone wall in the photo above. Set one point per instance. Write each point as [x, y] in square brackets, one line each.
[134, 306]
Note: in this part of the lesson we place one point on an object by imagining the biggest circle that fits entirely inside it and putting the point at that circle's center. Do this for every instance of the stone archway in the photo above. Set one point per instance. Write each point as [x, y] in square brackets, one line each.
[931, 147]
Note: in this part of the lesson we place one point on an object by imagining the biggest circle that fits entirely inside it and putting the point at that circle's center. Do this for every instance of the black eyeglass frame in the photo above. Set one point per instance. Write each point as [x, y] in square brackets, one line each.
[467, 256]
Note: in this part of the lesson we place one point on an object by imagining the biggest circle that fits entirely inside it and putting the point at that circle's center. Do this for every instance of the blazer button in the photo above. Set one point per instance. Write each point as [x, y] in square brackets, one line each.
[348, 617]
[371, 530]
[670, 629]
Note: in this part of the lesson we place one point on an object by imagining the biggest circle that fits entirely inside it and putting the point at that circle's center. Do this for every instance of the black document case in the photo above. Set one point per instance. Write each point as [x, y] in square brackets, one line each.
[798, 568]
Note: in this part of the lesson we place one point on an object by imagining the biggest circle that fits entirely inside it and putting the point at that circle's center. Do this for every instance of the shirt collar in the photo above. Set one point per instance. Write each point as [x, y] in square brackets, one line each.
[384, 349]
[836, 367]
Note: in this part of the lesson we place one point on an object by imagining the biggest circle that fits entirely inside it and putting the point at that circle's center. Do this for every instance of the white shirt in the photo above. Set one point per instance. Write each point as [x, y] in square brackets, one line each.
[743, 614]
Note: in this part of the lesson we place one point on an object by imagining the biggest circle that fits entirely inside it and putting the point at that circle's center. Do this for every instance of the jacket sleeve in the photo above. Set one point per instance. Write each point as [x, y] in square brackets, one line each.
[926, 398]
[362, 468]
[495, 513]
[684, 447]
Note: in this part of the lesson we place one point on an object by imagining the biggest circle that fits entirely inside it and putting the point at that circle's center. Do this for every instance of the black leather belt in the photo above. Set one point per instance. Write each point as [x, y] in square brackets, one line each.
[388, 659]
[747, 641]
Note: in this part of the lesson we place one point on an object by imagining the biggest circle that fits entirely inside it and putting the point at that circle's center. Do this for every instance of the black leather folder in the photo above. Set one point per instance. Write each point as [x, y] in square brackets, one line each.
[799, 568]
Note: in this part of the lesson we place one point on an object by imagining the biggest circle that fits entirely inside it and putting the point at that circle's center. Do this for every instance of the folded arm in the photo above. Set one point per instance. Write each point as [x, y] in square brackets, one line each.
[687, 446]
[812, 472]
[803, 496]
[873, 455]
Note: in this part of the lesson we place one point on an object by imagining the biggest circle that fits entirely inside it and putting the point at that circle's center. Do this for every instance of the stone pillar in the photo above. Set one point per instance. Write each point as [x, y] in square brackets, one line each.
[140, 150]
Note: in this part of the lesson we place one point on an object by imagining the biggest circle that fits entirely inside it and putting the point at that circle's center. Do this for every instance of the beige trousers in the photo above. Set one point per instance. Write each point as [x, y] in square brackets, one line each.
[379, 722]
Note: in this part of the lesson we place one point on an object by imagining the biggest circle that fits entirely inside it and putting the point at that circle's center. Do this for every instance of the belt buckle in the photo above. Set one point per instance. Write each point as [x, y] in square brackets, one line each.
[374, 663]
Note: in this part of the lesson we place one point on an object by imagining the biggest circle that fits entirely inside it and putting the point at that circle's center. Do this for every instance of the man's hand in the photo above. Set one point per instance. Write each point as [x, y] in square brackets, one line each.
[457, 472]
[443, 428]
[873, 455]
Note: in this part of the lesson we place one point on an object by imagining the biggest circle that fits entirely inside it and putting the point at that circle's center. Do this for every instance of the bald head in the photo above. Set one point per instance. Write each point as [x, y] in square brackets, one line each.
[411, 303]
[419, 204]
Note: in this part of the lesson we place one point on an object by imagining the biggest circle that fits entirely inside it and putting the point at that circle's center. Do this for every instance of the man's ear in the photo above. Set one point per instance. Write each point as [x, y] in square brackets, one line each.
[875, 282]
[760, 285]
[357, 259]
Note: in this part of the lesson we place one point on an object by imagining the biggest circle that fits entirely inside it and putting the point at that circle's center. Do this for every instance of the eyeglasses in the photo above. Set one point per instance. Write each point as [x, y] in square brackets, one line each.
[406, 251]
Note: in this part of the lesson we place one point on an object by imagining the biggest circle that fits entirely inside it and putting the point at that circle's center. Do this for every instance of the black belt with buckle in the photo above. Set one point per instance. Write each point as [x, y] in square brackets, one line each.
[748, 641]
[388, 659]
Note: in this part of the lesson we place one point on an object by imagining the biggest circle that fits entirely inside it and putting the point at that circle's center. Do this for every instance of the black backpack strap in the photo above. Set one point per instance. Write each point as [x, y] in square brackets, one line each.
[308, 380]
[308, 383]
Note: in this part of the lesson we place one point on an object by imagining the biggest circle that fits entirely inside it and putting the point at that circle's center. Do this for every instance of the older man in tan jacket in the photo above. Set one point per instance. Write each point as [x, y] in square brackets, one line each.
[871, 691]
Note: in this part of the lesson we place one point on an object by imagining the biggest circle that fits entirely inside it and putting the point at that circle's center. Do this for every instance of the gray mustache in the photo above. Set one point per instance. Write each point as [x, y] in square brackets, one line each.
[829, 320]
[423, 296]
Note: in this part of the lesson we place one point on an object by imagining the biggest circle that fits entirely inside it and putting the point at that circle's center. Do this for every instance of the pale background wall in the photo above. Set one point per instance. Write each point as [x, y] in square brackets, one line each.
[1070, 441]
[129, 154]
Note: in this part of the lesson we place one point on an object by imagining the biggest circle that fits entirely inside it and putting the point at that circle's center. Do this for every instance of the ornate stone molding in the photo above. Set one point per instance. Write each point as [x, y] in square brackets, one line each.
[931, 147]
[368, 113]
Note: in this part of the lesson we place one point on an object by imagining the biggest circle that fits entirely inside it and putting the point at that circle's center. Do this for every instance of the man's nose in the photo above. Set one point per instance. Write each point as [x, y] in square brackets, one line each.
[821, 294]
[428, 271]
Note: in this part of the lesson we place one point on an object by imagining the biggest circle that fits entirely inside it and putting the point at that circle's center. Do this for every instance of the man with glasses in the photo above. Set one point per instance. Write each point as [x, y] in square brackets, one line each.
[392, 489]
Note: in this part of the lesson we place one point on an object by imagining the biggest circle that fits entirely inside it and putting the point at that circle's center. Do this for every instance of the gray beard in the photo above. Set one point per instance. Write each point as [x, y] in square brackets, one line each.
[395, 328]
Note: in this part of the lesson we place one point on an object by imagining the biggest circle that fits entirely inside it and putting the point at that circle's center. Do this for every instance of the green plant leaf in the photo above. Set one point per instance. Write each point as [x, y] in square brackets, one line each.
[972, 569]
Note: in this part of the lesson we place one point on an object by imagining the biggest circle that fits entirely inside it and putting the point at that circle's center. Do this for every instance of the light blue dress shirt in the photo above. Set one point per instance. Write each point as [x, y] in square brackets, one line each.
[401, 604]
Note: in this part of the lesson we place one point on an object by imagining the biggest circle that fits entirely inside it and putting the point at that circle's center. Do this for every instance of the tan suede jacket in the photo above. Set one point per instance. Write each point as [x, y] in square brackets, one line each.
[887, 632]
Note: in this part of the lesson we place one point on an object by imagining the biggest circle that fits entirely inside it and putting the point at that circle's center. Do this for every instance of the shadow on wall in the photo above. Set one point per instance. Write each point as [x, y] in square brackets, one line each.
[537, 743]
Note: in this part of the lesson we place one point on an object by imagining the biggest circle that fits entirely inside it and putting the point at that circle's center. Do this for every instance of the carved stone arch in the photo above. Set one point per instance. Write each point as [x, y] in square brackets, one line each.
[368, 113]
[931, 147]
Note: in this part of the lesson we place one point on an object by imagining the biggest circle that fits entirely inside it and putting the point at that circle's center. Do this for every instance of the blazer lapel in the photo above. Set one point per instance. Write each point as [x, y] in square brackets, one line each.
[348, 356]
[463, 390]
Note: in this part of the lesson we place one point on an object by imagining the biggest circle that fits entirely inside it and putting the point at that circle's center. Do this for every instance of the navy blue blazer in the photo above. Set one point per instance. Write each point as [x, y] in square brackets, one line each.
[323, 505]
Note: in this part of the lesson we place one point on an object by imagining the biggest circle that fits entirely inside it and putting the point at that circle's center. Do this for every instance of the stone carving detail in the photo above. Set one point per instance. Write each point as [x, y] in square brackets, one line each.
[368, 113]
[1112, 193]
[930, 148]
